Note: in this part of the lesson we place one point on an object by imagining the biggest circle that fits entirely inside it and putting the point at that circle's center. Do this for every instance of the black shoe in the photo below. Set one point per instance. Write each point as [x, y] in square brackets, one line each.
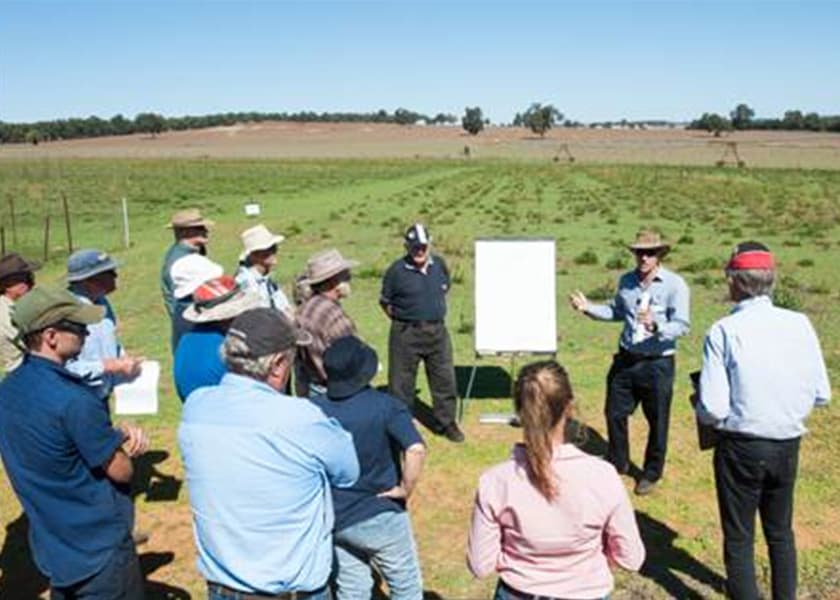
[644, 487]
[453, 433]
[623, 470]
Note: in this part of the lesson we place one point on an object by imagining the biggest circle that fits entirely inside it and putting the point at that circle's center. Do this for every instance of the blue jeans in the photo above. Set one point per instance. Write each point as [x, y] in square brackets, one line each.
[214, 593]
[505, 592]
[119, 578]
[385, 541]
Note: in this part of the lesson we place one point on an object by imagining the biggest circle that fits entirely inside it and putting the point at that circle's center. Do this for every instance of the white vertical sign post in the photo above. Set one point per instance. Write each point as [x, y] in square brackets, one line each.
[126, 233]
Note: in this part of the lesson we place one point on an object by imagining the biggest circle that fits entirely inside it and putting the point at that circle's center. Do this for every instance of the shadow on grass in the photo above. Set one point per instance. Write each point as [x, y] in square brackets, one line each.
[490, 381]
[21, 580]
[664, 561]
[148, 480]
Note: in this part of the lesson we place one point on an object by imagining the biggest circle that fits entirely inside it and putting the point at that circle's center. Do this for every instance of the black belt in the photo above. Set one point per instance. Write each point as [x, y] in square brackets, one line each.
[512, 592]
[225, 591]
[633, 358]
[419, 323]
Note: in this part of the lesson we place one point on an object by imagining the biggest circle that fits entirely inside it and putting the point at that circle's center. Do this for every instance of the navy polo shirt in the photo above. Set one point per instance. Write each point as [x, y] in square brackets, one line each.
[413, 295]
[55, 437]
[381, 426]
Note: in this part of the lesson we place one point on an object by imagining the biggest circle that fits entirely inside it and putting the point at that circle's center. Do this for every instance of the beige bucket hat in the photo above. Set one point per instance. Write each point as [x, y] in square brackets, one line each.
[325, 264]
[256, 238]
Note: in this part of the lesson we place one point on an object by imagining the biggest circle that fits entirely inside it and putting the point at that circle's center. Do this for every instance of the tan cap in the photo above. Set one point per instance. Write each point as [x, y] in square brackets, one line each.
[190, 217]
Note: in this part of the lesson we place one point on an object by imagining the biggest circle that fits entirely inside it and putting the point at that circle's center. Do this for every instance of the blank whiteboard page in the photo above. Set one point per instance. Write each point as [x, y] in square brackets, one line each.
[515, 296]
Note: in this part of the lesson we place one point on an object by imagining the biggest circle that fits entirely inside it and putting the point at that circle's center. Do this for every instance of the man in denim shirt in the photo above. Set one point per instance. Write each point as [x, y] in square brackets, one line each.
[653, 304]
[763, 373]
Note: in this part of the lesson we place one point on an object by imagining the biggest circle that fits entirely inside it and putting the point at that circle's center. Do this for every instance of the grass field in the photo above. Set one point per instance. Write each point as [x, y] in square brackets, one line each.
[362, 207]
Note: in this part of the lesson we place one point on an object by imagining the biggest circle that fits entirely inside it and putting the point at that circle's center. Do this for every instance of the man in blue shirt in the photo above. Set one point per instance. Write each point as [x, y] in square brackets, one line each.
[198, 361]
[259, 465]
[763, 372]
[371, 523]
[68, 465]
[92, 275]
[653, 304]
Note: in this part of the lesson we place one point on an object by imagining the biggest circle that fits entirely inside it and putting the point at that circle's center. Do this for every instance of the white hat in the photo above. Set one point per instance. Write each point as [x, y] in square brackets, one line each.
[256, 238]
[190, 272]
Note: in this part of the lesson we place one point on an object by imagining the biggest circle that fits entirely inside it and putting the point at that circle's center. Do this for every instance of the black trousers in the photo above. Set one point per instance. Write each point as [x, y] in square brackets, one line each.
[757, 475]
[649, 381]
[408, 344]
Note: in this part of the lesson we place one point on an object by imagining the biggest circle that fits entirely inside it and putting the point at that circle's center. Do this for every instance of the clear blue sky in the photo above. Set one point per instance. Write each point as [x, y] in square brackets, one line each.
[593, 60]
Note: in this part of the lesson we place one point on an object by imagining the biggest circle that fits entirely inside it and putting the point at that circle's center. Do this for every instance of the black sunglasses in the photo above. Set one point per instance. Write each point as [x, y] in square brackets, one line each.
[647, 252]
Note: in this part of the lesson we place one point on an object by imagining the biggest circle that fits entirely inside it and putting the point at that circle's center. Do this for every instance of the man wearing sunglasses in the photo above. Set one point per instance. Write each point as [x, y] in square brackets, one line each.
[653, 304]
[17, 277]
[69, 466]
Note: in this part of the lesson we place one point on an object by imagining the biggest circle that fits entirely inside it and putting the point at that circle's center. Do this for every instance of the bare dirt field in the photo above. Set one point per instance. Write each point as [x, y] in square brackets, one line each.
[365, 140]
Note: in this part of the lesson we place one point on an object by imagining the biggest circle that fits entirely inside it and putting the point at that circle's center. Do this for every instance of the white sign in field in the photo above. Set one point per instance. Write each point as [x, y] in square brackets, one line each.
[515, 296]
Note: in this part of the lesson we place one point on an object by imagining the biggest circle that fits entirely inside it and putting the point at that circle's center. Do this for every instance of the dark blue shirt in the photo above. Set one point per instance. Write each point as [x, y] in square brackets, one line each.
[414, 295]
[382, 427]
[198, 360]
[55, 438]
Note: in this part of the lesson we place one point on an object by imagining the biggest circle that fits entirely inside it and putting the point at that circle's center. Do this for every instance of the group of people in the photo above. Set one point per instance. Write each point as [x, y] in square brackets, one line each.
[299, 471]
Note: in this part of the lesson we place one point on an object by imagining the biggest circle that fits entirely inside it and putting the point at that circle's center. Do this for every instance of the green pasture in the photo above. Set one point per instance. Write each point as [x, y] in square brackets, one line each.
[362, 208]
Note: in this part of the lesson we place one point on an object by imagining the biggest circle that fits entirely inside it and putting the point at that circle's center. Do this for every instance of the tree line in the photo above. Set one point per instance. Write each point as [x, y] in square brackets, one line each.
[742, 117]
[154, 123]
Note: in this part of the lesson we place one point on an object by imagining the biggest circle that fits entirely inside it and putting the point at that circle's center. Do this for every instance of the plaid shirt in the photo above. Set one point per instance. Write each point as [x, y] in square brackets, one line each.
[326, 321]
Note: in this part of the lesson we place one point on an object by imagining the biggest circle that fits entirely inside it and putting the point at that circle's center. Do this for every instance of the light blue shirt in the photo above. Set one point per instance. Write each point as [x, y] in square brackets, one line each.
[763, 372]
[272, 296]
[259, 466]
[669, 301]
[100, 344]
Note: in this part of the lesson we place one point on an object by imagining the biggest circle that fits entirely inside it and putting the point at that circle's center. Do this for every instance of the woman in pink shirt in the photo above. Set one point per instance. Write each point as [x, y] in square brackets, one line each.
[552, 520]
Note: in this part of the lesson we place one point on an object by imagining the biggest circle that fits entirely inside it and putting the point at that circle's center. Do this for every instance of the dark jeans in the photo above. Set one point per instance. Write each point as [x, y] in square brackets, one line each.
[408, 344]
[120, 579]
[633, 380]
[757, 475]
[506, 592]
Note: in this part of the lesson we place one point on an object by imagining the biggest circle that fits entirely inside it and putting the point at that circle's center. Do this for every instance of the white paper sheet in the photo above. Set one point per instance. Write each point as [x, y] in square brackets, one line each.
[139, 397]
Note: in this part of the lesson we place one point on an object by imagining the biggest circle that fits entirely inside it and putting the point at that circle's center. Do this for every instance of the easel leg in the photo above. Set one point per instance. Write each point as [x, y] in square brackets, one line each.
[466, 398]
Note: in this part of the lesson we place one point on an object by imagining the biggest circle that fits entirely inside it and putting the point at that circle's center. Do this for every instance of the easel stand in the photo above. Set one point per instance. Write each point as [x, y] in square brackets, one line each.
[512, 373]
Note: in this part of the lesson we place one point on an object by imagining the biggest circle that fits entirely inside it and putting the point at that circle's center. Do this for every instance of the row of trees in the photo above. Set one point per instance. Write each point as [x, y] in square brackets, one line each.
[742, 117]
[539, 118]
[153, 123]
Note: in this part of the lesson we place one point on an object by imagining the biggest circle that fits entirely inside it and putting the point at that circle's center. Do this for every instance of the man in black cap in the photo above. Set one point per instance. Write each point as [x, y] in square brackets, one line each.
[17, 277]
[413, 296]
[69, 466]
[371, 523]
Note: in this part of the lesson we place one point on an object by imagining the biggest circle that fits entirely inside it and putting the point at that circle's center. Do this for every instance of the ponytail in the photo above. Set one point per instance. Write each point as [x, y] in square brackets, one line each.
[542, 394]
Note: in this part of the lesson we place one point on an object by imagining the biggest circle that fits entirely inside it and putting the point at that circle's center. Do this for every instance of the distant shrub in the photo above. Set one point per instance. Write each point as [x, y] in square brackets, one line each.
[603, 292]
[371, 272]
[818, 288]
[685, 239]
[787, 298]
[705, 280]
[704, 264]
[587, 257]
[792, 243]
[806, 262]
[617, 261]
[292, 229]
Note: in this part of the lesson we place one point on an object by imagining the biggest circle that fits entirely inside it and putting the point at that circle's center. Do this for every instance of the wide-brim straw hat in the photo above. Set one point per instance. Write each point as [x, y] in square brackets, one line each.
[258, 238]
[190, 217]
[647, 239]
[326, 264]
[220, 299]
